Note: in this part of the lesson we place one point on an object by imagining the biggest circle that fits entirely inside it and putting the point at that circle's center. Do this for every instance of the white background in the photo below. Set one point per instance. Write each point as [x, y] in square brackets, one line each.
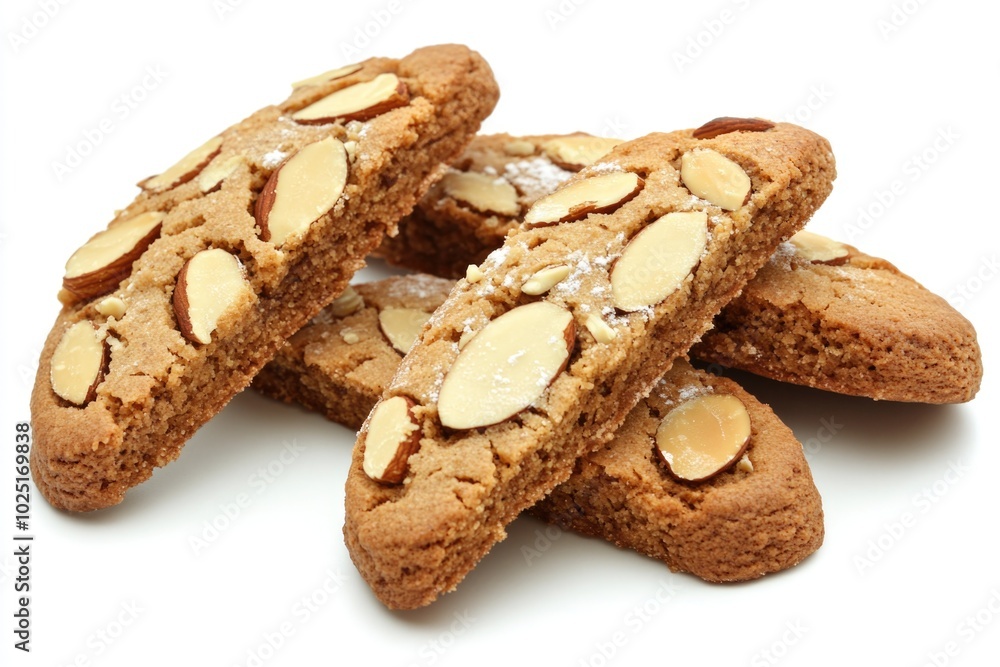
[127, 586]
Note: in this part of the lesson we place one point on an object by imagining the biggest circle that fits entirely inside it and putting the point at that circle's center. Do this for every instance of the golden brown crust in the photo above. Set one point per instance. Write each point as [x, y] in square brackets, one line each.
[160, 388]
[416, 541]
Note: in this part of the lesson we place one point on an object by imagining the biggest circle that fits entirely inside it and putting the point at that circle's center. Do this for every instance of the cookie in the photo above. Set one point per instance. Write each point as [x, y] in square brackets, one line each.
[761, 515]
[824, 314]
[539, 354]
[193, 287]
[839, 320]
[483, 195]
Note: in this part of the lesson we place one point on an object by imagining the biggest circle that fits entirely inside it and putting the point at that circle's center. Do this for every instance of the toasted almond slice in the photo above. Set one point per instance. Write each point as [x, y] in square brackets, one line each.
[727, 124]
[301, 190]
[599, 329]
[715, 178]
[658, 259]
[218, 171]
[77, 365]
[186, 169]
[348, 303]
[703, 436]
[329, 75]
[542, 281]
[209, 285]
[507, 366]
[402, 326]
[519, 148]
[598, 194]
[487, 194]
[106, 259]
[819, 249]
[358, 102]
[575, 152]
[393, 435]
[111, 306]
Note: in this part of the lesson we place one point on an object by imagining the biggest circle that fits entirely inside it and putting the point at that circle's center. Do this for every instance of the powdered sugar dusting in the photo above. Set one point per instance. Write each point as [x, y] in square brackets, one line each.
[273, 159]
[535, 177]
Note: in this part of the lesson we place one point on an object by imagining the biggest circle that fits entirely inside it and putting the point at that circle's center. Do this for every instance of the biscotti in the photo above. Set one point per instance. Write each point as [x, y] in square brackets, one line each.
[195, 285]
[761, 515]
[820, 313]
[823, 314]
[540, 353]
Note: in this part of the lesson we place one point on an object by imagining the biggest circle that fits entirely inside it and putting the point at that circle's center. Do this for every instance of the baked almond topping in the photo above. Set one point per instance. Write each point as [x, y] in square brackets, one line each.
[488, 194]
[302, 189]
[329, 75]
[701, 437]
[573, 153]
[507, 366]
[542, 281]
[77, 365]
[598, 194]
[819, 249]
[715, 178]
[658, 259]
[361, 101]
[186, 169]
[401, 326]
[106, 259]
[393, 435]
[727, 124]
[208, 286]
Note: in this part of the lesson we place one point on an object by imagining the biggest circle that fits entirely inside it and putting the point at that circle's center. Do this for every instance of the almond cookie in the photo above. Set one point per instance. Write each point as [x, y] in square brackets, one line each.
[760, 513]
[171, 310]
[824, 314]
[539, 354]
[820, 313]
[483, 195]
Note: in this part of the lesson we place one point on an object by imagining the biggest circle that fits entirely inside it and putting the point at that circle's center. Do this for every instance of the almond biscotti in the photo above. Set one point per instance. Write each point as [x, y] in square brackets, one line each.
[191, 289]
[824, 314]
[758, 512]
[540, 353]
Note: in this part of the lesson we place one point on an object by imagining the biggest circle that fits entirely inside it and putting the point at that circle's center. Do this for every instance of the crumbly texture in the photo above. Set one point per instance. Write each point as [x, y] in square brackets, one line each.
[339, 366]
[861, 327]
[738, 525]
[443, 235]
[418, 539]
[159, 387]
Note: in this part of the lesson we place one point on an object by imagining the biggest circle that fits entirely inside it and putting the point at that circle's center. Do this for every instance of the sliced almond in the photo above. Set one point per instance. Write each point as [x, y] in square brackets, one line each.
[519, 148]
[302, 189]
[488, 194]
[329, 75]
[507, 366]
[473, 274]
[347, 303]
[658, 259]
[597, 194]
[715, 178]
[216, 172]
[703, 436]
[819, 249]
[111, 306]
[542, 281]
[358, 102]
[393, 435]
[402, 326]
[78, 363]
[186, 169]
[727, 124]
[599, 329]
[210, 284]
[106, 259]
[575, 152]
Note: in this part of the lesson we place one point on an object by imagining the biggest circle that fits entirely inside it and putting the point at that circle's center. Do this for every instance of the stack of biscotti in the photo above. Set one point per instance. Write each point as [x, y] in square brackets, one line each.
[194, 286]
[536, 358]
